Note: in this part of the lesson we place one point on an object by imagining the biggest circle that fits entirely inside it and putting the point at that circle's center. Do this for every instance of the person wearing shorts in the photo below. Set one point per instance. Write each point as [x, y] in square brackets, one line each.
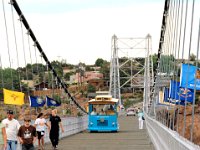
[40, 124]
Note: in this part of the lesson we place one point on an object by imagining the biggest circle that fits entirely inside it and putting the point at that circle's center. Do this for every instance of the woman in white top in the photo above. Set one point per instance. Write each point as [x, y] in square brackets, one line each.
[141, 119]
[40, 123]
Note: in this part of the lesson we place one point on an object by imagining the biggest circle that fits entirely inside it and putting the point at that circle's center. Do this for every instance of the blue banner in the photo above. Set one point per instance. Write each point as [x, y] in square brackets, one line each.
[179, 93]
[189, 74]
[166, 95]
[174, 90]
[52, 102]
[36, 101]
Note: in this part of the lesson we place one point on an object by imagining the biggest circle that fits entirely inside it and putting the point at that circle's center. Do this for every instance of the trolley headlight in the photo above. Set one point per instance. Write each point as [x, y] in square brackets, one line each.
[91, 123]
[113, 124]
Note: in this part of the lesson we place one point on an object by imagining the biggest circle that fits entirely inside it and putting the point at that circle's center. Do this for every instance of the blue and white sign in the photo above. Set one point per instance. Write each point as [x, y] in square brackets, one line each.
[180, 93]
[190, 77]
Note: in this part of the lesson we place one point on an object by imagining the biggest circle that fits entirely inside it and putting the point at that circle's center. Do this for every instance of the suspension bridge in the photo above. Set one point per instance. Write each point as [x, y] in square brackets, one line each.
[170, 82]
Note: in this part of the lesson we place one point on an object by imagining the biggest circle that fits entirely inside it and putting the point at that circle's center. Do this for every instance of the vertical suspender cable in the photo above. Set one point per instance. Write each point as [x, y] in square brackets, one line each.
[174, 70]
[171, 37]
[190, 42]
[36, 60]
[1, 68]
[184, 118]
[183, 47]
[23, 47]
[191, 131]
[191, 30]
[29, 47]
[185, 26]
[16, 48]
[179, 43]
[7, 39]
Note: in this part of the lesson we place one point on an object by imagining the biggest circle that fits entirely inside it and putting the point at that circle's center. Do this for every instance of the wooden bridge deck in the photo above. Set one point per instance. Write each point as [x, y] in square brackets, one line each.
[129, 137]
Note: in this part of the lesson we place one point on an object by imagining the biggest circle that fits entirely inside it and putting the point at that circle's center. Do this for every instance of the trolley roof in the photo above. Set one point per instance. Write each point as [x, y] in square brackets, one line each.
[103, 99]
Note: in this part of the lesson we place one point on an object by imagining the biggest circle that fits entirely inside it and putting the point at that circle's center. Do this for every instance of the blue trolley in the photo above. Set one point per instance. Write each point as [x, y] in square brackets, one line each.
[103, 115]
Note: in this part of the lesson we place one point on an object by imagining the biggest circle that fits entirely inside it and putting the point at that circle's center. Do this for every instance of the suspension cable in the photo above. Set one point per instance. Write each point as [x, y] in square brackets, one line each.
[163, 29]
[64, 86]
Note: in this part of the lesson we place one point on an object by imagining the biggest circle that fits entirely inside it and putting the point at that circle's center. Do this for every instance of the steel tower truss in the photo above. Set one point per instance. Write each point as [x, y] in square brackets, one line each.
[114, 71]
[125, 69]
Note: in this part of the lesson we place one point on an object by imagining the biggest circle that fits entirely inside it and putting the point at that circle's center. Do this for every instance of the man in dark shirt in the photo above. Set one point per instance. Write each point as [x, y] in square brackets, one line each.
[55, 122]
[27, 135]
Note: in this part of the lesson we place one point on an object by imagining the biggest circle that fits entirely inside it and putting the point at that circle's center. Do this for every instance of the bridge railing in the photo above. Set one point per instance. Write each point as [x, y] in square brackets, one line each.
[71, 125]
[165, 138]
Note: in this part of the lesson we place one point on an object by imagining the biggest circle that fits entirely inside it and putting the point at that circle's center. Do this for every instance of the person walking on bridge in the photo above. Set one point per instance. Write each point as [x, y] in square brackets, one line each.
[12, 126]
[40, 124]
[55, 122]
[27, 134]
[3, 138]
[140, 118]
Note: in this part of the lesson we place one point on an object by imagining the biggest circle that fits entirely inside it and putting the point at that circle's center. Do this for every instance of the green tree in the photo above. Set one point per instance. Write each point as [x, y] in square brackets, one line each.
[154, 58]
[127, 103]
[192, 57]
[167, 63]
[57, 98]
[57, 67]
[67, 75]
[105, 70]
[89, 68]
[91, 88]
[99, 62]
[10, 79]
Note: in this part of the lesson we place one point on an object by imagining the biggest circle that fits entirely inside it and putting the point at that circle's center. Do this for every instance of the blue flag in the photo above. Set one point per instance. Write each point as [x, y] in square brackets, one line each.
[52, 102]
[166, 94]
[180, 93]
[190, 77]
[36, 101]
[186, 94]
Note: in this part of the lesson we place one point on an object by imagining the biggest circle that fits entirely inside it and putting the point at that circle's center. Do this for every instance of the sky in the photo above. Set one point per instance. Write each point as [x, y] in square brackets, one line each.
[81, 30]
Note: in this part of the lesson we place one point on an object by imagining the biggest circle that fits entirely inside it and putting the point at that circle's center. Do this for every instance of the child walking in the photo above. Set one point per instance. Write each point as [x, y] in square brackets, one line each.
[27, 135]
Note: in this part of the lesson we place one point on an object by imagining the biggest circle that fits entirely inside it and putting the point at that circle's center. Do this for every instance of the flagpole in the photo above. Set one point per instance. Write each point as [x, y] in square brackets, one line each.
[15, 110]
